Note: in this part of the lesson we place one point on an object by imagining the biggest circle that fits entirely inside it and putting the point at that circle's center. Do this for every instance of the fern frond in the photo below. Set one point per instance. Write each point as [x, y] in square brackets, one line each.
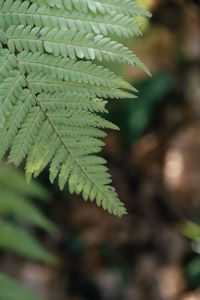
[52, 87]
[7, 64]
[13, 122]
[47, 83]
[17, 184]
[10, 89]
[23, 12]
[74, 101]
[74, 146]
[11, 290]
[76, 71]
[18, 241]
[126, 7]
[27, 133]
[11, 204]
[15, 203]
[69, 43]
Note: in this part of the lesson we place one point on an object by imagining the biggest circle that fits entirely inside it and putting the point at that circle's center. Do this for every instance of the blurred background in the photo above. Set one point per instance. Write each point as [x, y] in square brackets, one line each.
[153, 253]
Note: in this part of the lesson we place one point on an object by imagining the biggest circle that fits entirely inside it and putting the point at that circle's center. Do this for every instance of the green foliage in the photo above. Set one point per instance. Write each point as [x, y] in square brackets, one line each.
[191, 230]
[139, 114]
[52, 87]
[14, 180]
[192, 270]
[15, 205]
[17, 210]
[11, 290]
[17, 240]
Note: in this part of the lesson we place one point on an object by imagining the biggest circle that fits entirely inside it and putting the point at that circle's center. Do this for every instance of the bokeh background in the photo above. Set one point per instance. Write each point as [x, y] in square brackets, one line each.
[153, 253]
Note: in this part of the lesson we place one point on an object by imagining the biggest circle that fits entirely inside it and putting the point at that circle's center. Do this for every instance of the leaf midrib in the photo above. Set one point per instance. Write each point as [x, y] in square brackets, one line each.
[78, 18]
[102, 50]
[112, 80]
[112, 92]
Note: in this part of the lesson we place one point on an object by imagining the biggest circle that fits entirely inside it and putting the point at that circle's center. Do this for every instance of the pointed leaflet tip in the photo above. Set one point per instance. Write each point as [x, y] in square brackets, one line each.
[137, 62]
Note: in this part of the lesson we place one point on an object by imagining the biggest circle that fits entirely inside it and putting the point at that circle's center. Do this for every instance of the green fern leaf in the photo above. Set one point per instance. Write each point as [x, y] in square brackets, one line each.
[69, 43]
[23, 12]
[52, 87]
[80, 72]
[12, 204]
[18, 241]
[12, 290]
[13, 180]
[15, 203]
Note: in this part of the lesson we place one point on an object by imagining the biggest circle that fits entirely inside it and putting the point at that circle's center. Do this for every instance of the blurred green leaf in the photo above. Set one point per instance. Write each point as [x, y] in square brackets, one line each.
[139, 113]
[12, 204]
[74, 244]
[191, 230]
[15, 239]
[11, 290]
[11, 178]
[192, 272]
[196, 245]
[15, 203]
